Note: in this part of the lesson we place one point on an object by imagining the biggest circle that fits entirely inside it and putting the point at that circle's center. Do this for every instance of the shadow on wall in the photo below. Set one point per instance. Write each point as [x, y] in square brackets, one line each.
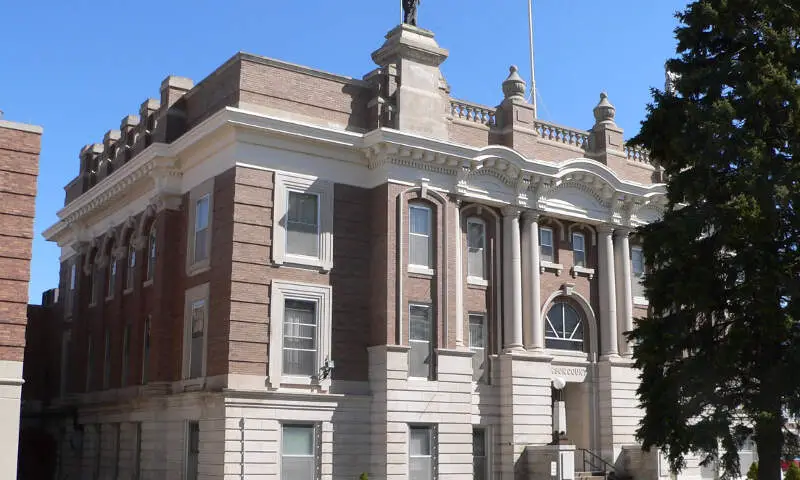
[38, 453]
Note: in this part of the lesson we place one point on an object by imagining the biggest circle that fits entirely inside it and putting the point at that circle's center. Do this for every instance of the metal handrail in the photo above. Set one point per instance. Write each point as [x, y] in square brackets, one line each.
[595, 462]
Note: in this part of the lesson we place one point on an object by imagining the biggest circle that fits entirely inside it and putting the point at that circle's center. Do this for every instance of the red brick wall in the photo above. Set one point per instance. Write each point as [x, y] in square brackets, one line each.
[19, 158]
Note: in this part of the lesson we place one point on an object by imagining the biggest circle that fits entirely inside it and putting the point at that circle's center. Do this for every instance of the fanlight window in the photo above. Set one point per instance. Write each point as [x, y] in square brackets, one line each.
[563, 328]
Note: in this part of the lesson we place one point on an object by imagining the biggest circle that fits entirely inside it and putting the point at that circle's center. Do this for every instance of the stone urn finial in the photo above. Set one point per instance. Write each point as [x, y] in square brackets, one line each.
[604, 112]
[514, 86]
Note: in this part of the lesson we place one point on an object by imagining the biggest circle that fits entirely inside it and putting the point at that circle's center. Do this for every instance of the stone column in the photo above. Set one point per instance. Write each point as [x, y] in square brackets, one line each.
[534, 340]
[625, 298]
[512, 279]
[608, 298]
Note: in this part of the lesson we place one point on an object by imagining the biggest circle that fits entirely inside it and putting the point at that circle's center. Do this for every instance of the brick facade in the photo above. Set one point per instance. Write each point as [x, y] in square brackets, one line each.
[234, 136]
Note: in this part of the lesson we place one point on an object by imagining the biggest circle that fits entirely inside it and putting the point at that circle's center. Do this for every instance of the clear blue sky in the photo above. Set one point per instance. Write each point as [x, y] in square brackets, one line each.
[77, 68]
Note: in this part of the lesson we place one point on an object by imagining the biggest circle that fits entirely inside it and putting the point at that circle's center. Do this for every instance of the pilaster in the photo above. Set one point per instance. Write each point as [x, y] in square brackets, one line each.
[608, 298]
[512, 279]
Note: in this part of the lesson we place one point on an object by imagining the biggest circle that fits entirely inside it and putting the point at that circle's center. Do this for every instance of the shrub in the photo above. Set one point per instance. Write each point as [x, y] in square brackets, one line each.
[792, 473]
[363, 476]
[752, 473]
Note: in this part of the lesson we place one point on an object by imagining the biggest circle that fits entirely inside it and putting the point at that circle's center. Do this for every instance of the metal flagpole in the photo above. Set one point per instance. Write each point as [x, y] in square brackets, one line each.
[533, 77]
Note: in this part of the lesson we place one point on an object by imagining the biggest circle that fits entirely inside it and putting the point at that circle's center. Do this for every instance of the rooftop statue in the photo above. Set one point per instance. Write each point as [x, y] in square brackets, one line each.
[410, 11]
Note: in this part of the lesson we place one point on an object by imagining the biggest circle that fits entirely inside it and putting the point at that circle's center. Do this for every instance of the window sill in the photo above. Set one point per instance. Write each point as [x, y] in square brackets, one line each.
[198, 268]
[302, 261]
[147, 283]
[421, 270]
[477, 281]
[127, 291]
[93, 304]
[578, 270]
[545, 265]
[641, 301]
[109, 298]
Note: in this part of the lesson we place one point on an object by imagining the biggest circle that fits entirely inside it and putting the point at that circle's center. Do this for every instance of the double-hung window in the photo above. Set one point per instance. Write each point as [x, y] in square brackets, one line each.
[94, 280]
[303, 221]
[300, 332]
[476, 249]
[201, 229]
[70, 298]
[111, 273]
[196, 326]
[298, 452]
[421, 453]
[578, 249]
[420, 339]
[478, 343]
[131, 266]
[302, 224]
[546, 244]
[419, 237]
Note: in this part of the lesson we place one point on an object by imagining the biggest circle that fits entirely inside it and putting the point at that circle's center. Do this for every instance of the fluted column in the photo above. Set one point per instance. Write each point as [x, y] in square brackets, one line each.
[607, 284]
[531, 286]
[512, 279]
[624, 289]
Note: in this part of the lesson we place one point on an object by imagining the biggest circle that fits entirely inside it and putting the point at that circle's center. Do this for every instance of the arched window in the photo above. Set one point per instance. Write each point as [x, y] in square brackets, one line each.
[111, 272]
[563, 329]
[151, 252]
[93, 281]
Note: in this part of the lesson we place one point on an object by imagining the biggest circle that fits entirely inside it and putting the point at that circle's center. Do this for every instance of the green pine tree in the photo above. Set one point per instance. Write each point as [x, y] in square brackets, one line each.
[792, 473]
[720, 348]
[752, 472]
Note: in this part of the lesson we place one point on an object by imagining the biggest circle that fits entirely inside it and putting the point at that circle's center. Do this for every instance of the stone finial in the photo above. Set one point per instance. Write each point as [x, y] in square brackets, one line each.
[514, 86]
[604, 112]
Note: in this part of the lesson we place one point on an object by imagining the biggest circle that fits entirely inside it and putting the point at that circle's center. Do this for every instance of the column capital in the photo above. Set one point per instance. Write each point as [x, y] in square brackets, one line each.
[510, 211]
[622, 231]
[605, 229]
[530, 216]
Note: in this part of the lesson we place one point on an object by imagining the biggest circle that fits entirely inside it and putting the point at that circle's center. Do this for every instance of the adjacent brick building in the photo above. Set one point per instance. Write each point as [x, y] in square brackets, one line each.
[282, 272]
[19, 167]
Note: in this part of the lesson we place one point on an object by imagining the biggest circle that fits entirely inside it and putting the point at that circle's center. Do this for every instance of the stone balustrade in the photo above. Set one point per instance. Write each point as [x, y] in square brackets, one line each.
[565, 135]
[637, 154]
[472, 112]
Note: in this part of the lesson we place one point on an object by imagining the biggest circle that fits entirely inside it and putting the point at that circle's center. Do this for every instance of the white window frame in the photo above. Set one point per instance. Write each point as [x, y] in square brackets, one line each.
[316, 447]
[433, 435]
[323, 189]
[192, 296]
[583, 250]
[484, 351]
[322, 296]
[206, 189]
[552, 245]
[412, 267]
[483, 277]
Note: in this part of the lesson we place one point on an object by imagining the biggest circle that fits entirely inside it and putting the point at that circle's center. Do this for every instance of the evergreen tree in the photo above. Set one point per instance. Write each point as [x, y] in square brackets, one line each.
[720, 351]
[792, 473]
[752, 472]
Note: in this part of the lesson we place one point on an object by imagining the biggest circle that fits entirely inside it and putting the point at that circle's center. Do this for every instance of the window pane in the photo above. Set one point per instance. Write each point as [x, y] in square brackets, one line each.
[420, 220]
[201, 214]
[297, 468]
[419, 468]
[546, 244]
[299, 338]
[578, 249]
[298, 440]
[564, 328]
[478, 443]
[420, 323]
[475, 264]
[302, 224]
[637, 261]
[475, 235]
[200, 245]
[578, 242]
[419, 441]
[419, 359]
[151, 248]
[477, 331]
[196, 356]
[418, 250]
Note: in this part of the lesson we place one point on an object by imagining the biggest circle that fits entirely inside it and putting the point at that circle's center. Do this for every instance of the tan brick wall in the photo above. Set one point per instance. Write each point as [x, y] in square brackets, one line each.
[19, 158]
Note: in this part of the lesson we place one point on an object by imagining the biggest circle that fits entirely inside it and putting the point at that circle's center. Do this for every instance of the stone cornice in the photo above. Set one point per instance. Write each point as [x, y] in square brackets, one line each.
[526, 180]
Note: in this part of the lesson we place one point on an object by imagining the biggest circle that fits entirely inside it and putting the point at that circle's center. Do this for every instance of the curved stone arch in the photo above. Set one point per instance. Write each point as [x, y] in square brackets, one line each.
[598, 196]
[92, 248]
[506, 154]
[125, 231]
[588, 312]
[591, 167]
[585, 227]
[437, 199]
[145, 220]
[553, 221]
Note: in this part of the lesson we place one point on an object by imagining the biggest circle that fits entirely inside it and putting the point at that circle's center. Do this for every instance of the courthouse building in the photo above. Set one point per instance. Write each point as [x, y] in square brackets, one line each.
[280, 272]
